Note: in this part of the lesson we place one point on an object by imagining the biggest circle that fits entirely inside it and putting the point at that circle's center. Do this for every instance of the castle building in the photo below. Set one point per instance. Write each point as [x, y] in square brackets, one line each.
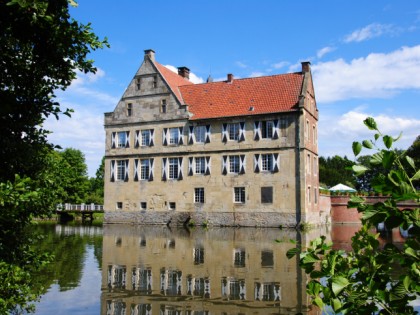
[235, 152]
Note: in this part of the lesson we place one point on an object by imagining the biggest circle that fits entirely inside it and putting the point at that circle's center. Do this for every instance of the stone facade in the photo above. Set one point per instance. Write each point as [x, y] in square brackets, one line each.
[164, 166]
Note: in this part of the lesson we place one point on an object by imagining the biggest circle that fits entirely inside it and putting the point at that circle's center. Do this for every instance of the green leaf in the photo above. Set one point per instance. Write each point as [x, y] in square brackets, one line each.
[313, 288]
[357, 147]
[336, 304]
[370, 123]
[416, 176]
[376, 158]
[318, 302]
[377, 135]
[398, 138]
[292, 252]
[388, 159]
[359, 169]
[367, 144]
[338, 284]
[310, 258]
[388, 141]
[411, 162]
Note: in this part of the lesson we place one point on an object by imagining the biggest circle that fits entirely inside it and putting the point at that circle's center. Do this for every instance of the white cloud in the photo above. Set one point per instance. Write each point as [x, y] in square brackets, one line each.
[256, 74]
[370, 31]
[337, 133]
[375, 76]
[323, 51]
[193, 77]
[280, 64]
[241, 64]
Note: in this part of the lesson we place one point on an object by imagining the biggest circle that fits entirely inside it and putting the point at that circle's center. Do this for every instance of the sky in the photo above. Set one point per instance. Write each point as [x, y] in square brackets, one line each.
[365, 60]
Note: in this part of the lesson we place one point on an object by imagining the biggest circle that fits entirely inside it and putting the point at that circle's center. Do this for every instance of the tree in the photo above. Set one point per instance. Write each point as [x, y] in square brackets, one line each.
[96, 193]
[334, 170]
[41, 50]
[363, 280]
[414, 152]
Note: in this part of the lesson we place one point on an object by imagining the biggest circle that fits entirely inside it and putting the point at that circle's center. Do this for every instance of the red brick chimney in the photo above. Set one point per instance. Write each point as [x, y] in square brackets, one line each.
[184, 72]
[230, 78]
[306, 66]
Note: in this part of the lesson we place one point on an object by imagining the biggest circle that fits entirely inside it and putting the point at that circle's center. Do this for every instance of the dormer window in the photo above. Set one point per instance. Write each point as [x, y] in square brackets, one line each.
[163, 107]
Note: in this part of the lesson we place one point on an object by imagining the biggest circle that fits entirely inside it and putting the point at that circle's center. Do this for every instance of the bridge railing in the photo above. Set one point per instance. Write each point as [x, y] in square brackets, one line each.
[79, 207]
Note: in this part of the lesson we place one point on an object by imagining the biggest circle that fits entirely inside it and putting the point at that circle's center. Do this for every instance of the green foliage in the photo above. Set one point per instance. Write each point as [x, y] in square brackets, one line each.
[335, 170]
[370, 279]
[41, 50]
[96, 191]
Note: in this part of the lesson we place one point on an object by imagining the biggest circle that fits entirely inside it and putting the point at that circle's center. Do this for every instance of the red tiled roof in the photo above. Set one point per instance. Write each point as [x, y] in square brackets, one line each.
[269, 94]
[174, 80]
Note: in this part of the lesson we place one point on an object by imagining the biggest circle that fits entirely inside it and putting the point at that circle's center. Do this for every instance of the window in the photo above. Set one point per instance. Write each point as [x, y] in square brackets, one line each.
[198, 255]
[119, 205]
[239, 257]
[200, 165]
[200, 134]
[172, 206]
[267, 162]
[239, 194]
[308, 163]
[129, 109]
[145, 138]
[267, 129]
[173, 168]
[143, 205]
[307, 130]
[315, 166]
[138, 84]
[315, 195]
[121, 169]
[199, 195]
[163, 106]
[233, 131]
[173, 135]
[266, 194]
[267, 259]
[144, 169]
[234, 164]
[122, 139]
[313, 134]
[155, 81]
[309, 194]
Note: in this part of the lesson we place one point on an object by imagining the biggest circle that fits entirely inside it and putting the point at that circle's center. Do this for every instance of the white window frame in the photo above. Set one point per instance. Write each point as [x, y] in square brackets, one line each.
[120, 170]
[239, 195]
[233, 130]
[234, 165]
[267, 162]
[200, 134]
[173, 168]
[173, 136]
[121, 139]
[200, 165]
[267, 129]
[199, 196]
[144, 169]
[145, 137]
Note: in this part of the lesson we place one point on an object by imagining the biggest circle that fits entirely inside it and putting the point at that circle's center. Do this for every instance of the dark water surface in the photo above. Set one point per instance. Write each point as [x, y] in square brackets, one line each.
[135, 270]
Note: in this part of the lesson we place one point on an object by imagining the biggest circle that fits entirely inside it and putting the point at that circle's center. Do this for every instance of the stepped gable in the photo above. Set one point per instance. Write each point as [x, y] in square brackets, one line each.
[243, 97]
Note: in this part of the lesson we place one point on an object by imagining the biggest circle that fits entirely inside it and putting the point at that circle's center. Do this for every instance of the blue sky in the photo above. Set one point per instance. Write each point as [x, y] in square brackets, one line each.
[365, 58]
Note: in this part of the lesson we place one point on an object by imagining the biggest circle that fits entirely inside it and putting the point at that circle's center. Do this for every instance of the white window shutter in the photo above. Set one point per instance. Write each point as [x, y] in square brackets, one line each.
[113, 135]
[191, 135]
[165, 136]
[276, 129]
[190, 166]
[208, 130]
[257, 130]
[152, 138]
[224, 164]
[242, 164]
[181, 135]
[276, 162]
[127, 139]
[112, 170]
[257, 163]
[241, 131]
[164, 169]
[224, 133]
[136, 170]
[136, 139]
[207, 166]
[126, 171]
[151, 170]
[180, 175]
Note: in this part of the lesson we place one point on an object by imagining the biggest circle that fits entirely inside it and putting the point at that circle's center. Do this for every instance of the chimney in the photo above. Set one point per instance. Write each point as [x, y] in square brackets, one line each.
[306, 66]
[230, 78]
[184, 72]
[149, 53]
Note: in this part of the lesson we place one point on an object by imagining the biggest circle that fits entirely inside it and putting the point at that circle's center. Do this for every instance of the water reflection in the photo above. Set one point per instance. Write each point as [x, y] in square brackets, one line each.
[157, 270]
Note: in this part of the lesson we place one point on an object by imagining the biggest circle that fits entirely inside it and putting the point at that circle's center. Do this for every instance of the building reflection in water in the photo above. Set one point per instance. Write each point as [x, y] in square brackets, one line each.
[157, 270]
